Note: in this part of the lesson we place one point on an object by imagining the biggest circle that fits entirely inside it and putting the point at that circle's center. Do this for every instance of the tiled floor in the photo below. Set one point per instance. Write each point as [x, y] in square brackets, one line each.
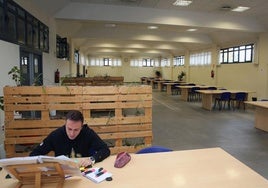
[185, 125]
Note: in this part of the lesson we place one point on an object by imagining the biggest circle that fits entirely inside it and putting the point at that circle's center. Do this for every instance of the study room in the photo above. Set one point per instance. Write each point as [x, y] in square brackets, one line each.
[171, 93]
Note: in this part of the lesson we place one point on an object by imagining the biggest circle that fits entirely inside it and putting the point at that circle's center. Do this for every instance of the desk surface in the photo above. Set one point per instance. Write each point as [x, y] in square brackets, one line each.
[204, 168]
[218, 91]
[190, 86]
[263, 104]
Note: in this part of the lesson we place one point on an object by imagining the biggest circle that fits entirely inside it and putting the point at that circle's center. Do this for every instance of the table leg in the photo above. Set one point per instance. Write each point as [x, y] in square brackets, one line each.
[261, 118]
[207, 101]
[169, 89]
[184, 94]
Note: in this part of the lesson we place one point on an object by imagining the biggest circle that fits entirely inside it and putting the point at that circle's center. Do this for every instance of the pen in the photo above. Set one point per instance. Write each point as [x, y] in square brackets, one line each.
[100, 173]
[89, 171]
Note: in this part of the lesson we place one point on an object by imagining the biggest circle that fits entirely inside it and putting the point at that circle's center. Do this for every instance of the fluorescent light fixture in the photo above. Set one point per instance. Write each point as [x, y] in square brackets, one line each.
[182, 3]
[152, 27]
[240, 9]
[191, 29]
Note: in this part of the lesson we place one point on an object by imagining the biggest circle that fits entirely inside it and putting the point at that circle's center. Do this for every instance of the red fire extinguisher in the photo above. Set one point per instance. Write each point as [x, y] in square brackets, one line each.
[57, 76]
[212, 74]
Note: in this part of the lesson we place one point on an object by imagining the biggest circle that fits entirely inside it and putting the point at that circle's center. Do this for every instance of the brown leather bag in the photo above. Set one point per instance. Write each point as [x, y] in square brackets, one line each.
[122, 159]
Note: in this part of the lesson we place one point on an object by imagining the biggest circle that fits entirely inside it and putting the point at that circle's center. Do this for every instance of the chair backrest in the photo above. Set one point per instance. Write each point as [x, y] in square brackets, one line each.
[212, 88]
[240, 96]
[225, 96]
[195, 88]
[154, 149]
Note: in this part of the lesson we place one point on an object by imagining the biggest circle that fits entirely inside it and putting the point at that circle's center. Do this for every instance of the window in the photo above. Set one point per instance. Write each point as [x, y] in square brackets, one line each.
[237, 54]
[20, 27]
[178, 60]
[93, 61]
[1, 17]
[147, 62]
[136, 63]
[117, 62]
[62, 48]
[10, 21]
[165, 62]
[107, 61]
[203, 58]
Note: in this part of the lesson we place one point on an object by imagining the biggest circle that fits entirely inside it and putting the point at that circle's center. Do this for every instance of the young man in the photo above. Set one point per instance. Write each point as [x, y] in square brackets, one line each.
[74, 140]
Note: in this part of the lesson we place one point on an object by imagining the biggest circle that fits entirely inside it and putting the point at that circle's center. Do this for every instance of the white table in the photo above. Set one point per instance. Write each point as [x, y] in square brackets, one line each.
[209, 95]
[261, 114]
[203, 168]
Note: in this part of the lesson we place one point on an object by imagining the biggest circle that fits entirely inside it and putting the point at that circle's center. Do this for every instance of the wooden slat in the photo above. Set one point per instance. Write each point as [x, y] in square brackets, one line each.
[25, 107]
[24, 99]
[135, 134]
[28, 132]
[121, 128]
[33, 124]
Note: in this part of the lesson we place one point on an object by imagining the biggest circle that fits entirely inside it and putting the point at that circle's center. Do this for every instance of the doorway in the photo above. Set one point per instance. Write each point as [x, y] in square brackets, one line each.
[31, 67]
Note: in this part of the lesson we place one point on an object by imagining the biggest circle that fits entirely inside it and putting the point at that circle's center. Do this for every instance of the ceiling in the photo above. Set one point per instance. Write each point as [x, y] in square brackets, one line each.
[120, 27]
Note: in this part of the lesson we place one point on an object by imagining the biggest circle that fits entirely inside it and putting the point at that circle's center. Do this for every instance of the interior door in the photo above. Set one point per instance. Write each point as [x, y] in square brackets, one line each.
[31, 68]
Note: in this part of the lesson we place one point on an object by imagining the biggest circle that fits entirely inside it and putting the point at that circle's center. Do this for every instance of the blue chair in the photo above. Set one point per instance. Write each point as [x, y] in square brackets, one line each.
[224, 97]
[175, 90]
[239, 98]
[153, 149]
[211, 88]
[193, 95]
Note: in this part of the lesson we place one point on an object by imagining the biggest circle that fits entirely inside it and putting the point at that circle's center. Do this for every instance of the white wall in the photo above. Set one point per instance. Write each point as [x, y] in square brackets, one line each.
[9, 54]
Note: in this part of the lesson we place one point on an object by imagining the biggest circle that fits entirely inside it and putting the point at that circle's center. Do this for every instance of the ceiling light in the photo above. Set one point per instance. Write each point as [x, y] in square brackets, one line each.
[182, 3]
[240, 9]
[152, 27]
[191, 29]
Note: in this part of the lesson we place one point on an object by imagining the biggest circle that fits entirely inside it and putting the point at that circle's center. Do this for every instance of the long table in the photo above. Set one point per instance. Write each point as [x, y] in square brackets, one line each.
[208, 95]
[202, 168]
[185, 90]
[261, 114]
[170, 84]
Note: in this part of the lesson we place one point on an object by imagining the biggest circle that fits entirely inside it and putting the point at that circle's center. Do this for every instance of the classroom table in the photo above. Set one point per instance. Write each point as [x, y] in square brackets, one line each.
[261, 114]
[209, 95]
[160, 84]
[170, 84]
[186, 88]
[202, 168]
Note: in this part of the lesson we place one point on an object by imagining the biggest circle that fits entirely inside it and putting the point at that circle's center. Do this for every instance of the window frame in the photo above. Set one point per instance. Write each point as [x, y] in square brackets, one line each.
[235, 53]
[35, 40]
[179, 61]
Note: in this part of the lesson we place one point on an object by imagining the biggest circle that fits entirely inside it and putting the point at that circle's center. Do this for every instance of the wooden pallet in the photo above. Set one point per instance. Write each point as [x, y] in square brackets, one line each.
[93, 81]
[121, 115]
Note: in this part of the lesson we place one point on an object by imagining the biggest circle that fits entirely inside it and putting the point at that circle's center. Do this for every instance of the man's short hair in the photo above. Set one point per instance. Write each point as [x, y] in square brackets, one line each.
[75, 115]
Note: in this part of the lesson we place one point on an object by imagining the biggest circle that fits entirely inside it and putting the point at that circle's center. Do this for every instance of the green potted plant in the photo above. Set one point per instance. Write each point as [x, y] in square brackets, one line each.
[16, 75]
[181, 75]
[158, 74]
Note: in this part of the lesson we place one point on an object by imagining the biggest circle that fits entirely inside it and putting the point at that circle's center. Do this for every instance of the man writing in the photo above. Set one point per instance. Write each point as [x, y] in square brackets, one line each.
[74, 140]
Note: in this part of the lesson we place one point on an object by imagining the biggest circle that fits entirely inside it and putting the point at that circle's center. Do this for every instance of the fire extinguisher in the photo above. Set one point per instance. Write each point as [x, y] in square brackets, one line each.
[212, 74]
[57, 76]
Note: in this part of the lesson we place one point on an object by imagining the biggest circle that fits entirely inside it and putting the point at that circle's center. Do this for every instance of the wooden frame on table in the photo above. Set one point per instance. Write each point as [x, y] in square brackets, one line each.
[36, 174]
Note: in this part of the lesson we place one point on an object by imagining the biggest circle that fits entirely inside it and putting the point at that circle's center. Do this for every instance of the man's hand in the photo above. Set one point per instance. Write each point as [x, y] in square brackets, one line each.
[86, 162]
